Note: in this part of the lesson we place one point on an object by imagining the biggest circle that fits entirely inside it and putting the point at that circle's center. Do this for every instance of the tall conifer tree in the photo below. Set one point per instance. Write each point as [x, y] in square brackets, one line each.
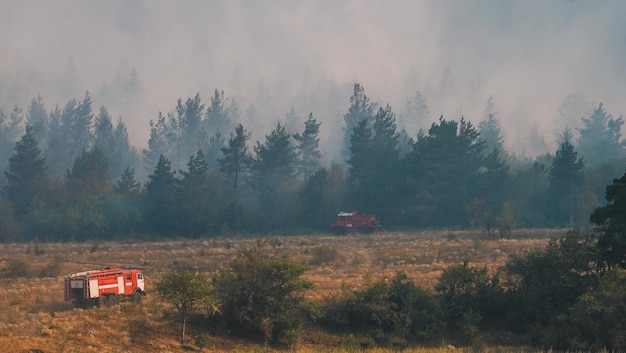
[27, 173]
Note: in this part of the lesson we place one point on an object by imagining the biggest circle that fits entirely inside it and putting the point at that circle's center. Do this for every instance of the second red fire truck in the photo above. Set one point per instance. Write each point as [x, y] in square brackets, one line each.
[348, 221]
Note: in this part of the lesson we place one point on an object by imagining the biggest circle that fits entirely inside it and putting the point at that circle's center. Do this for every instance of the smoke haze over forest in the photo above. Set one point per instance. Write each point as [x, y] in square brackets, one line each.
[532, 56]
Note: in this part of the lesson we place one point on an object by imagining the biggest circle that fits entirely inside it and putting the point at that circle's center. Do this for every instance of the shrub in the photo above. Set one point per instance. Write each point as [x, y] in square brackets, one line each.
[467, 294]
[325, 254]
[596, 322]
[53, 269]
[261, 295]
[187, 291]
[202, 340]
[130, 308]
[16, 301]
[389, 310]
[17, 269]
[544, 283]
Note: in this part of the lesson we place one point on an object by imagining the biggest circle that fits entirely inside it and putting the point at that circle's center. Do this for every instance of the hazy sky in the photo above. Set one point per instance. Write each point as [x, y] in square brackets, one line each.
[530, 55]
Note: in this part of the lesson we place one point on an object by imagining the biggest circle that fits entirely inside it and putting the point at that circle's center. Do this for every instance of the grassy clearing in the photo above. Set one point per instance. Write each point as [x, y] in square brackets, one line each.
[33, 314]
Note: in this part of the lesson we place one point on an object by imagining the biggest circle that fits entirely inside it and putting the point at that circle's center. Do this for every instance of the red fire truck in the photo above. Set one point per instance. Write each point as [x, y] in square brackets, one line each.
[105, 287]
[348, 221]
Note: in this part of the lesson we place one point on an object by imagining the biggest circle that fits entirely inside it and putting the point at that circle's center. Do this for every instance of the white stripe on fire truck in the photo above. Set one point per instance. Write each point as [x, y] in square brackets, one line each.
[108, 286]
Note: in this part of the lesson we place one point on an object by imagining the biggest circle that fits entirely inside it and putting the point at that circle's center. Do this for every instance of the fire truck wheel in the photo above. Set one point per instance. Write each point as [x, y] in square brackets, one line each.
[102, 301]
[112, 300]
[137, 297]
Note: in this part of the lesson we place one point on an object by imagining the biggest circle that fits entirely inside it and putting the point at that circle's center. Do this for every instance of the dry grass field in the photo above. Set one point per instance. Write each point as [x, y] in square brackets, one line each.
[34, 317]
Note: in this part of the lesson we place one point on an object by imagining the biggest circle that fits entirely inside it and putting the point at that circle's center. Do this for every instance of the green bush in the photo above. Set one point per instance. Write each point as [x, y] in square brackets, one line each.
[467, 295]
[543, 284]
[202, 340]
[597, 321]
[261, 295]
[389, 310]
[188, 291]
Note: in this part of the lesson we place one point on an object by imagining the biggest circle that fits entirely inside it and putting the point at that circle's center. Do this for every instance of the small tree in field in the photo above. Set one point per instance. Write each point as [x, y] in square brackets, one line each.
[261, 294]
[188, 291]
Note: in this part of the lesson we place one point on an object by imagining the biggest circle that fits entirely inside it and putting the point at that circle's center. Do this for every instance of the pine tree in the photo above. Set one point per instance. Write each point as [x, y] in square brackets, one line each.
[361, 109]
[385, 160]
[316, 199]
[5, 141]
[565, 175]
[195, 201]
[213, 149]
[161, 200]
[600, 138]
[124, 154]
[189, 120]
[103, 133]
[490, 129]
[273, 170]
[360, 166]
[89, 174]
[13, 129]
[237, 160]
[38, 118]
[416, 113]
[491, 181]
[53, 149]
[220, 115]
[124, 207]
[10, 132]
[70, 133]
[443, 170]
[81, 124]
[307, 148]
[127, 185]
[275, 158]
[157, 143]
[292, 121]
[535, 142]
[26, 175]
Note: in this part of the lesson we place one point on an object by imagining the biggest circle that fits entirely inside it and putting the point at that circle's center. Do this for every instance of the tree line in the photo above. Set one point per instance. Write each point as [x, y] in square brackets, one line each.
[71, 174]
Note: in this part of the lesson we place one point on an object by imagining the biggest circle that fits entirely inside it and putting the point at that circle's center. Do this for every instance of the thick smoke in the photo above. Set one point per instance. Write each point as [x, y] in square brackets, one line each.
[531, 56]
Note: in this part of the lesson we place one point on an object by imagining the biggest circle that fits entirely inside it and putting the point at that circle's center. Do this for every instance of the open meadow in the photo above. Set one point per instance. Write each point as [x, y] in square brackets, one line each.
[34, 317]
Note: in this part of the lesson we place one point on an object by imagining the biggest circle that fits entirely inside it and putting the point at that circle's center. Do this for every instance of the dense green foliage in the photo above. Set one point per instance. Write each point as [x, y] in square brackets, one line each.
[74, 175]
[188, 292]
[261, 295]
[387, 310]
[554, 297]
[611, 226]
[566, 296]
